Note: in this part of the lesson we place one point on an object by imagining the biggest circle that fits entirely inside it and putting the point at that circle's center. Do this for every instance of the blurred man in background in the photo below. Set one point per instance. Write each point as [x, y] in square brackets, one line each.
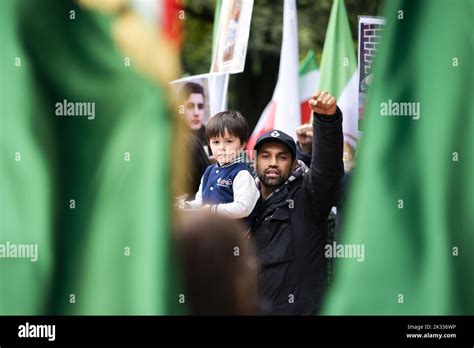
[194, 102]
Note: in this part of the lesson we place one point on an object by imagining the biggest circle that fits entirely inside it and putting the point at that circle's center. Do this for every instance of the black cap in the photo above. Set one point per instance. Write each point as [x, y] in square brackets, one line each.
[278, 136]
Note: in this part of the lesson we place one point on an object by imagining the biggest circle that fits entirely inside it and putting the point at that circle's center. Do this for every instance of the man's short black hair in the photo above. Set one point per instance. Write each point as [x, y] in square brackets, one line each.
[190, 88]
[233, 121]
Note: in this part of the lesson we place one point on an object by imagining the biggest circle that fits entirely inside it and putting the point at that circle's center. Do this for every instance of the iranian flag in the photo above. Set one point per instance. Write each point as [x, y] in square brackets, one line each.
[283, 111]
[420, 258]
[308, 83]
[164, 15]
[339, 69]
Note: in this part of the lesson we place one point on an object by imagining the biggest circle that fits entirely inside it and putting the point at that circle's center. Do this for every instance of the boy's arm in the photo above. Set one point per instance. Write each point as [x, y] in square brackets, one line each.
[197, 202]
[246, 195]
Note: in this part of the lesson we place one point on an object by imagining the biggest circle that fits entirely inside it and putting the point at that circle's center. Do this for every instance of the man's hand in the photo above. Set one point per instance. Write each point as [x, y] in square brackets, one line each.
[323, 103]
[304, 135]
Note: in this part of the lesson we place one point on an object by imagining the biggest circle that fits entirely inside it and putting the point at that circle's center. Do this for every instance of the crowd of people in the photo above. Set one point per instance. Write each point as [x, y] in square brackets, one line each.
[255, 233]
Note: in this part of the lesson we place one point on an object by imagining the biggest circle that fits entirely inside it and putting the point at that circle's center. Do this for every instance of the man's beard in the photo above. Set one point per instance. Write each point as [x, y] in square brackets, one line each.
[272, 182]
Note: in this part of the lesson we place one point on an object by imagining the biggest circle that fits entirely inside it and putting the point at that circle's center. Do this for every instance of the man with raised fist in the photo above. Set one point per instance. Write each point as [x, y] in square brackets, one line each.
[288, 224]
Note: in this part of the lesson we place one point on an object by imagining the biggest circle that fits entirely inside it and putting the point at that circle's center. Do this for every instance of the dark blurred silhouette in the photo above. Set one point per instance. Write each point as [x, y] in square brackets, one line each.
[219, 265]
[197, 165]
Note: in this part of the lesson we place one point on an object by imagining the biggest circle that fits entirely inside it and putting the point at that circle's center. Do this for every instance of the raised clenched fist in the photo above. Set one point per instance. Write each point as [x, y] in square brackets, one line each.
[323, 103]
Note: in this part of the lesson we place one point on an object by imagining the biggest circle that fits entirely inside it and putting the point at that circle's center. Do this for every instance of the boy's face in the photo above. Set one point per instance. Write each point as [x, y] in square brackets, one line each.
[225, 148]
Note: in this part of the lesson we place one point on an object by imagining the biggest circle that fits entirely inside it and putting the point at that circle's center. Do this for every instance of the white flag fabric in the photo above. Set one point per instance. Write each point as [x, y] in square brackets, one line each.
[283, 111]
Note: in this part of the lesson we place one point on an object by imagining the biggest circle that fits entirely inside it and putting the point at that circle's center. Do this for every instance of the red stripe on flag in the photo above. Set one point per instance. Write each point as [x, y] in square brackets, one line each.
[268, 125]
[305, 112]
[171, 23]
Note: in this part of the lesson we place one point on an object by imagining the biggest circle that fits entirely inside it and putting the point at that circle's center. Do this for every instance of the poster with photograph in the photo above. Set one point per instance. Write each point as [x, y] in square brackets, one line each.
[232, 36]
[370, 31]
[213, 98]
[194, 99]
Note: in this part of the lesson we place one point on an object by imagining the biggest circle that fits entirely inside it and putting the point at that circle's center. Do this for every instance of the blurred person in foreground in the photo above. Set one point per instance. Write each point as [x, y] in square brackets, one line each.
[219, 265]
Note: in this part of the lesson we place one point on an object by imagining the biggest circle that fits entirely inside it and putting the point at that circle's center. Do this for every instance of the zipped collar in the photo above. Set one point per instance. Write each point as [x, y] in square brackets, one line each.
[237, 160]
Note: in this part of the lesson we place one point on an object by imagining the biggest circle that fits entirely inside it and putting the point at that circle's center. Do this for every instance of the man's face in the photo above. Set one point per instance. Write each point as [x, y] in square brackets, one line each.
[194, 110]
[274, 164]
[225, 148]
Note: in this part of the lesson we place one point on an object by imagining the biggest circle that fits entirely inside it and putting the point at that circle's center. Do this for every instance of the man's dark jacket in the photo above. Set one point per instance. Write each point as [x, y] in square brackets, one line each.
[289, 227]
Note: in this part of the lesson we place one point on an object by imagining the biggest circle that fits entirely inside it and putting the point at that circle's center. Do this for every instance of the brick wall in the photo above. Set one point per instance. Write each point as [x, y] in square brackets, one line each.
[372, 33]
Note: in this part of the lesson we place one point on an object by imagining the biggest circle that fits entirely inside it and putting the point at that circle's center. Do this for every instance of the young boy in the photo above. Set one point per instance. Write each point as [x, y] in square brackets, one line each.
[227, 187]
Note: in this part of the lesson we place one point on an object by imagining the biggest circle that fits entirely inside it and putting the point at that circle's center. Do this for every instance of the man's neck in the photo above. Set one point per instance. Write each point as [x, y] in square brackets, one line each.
[266, 191]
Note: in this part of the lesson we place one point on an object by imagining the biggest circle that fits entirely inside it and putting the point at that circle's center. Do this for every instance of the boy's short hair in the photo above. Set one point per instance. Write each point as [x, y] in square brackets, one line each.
[190, 88]
[233, 121]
